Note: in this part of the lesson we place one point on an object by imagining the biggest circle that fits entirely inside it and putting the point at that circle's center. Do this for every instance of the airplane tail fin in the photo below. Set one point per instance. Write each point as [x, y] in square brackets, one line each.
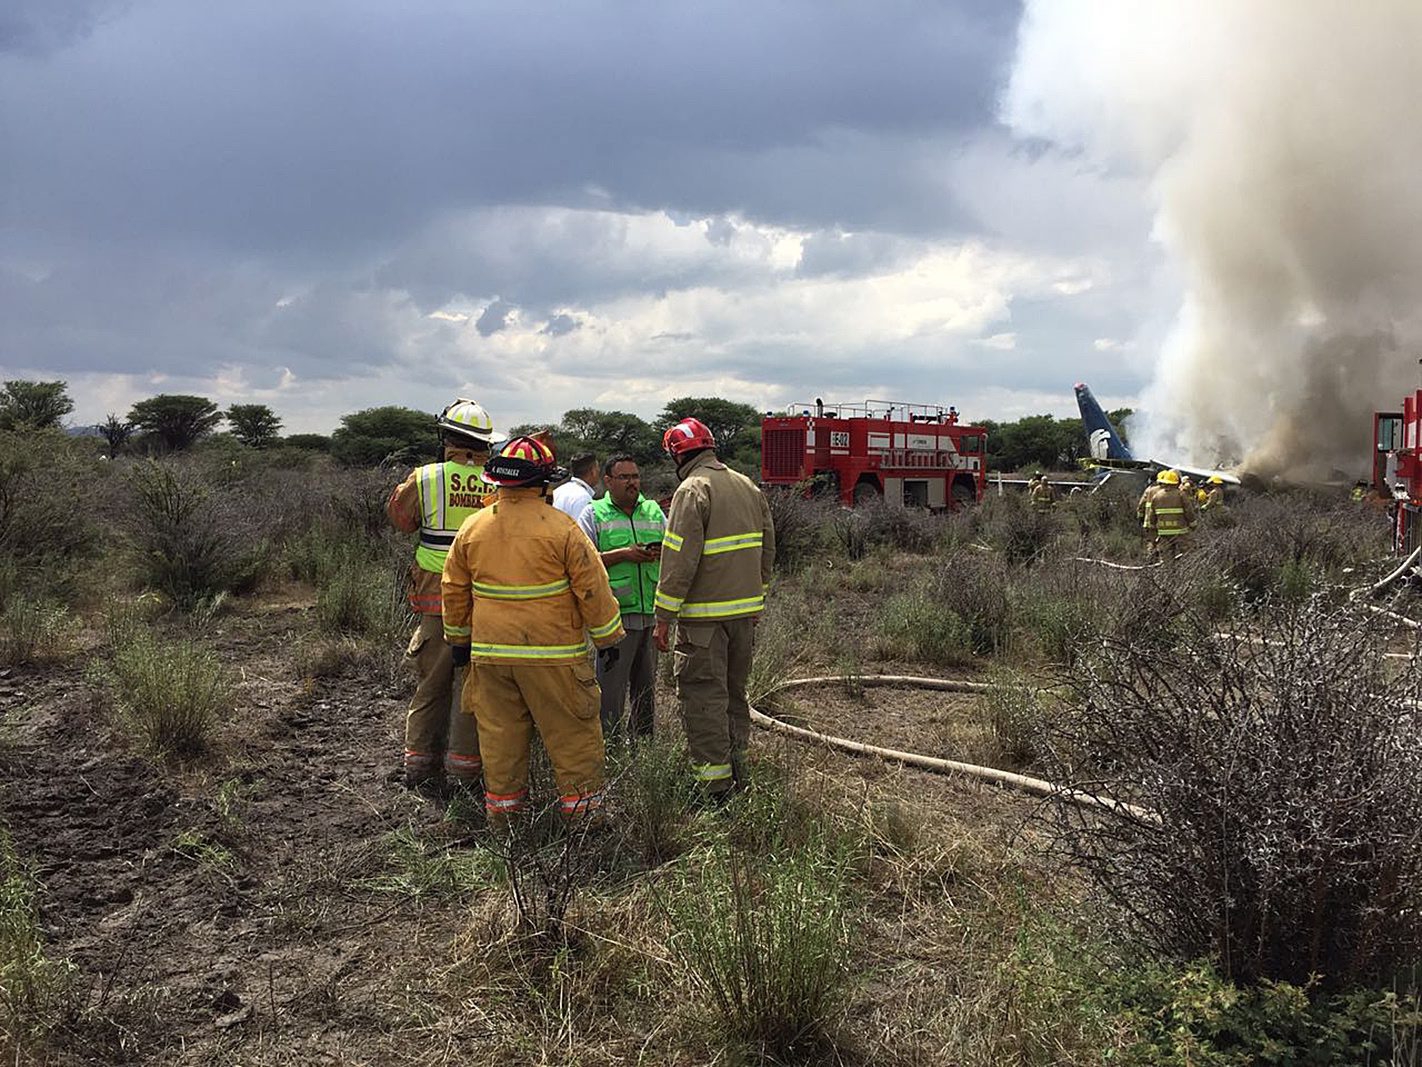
[1101, 436]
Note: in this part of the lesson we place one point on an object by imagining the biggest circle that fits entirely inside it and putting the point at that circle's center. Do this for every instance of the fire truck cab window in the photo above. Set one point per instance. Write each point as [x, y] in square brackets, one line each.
[971, 443]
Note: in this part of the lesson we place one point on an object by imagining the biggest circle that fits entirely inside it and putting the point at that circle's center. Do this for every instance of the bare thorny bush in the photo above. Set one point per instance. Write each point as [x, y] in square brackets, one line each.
[1285, 764]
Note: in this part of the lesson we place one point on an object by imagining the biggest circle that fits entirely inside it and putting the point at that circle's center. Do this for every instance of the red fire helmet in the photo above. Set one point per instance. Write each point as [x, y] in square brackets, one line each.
[689, 435]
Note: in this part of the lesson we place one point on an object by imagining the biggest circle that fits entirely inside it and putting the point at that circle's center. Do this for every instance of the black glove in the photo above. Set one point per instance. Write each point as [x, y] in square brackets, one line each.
[459, 655]
[606, 657]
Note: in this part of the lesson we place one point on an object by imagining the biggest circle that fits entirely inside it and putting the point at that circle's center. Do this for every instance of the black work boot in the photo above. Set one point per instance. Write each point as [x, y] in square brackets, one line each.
[426, 783]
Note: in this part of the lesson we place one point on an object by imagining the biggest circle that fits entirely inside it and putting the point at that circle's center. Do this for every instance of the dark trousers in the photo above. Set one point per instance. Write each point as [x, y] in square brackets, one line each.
[634, 674]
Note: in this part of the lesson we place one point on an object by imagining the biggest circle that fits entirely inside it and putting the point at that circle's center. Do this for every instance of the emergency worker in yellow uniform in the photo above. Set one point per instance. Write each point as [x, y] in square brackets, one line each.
[523, 592]
[435, 499]
[1044, 496]
[716, 558]
[1215, 495]
[1166, 515]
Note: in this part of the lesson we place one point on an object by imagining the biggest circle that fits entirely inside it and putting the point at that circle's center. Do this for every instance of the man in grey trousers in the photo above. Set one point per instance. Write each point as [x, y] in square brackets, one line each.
[627, 530]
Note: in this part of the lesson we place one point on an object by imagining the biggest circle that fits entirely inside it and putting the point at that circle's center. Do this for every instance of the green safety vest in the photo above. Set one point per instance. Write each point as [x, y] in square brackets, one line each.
[449, 493]
[633, 584]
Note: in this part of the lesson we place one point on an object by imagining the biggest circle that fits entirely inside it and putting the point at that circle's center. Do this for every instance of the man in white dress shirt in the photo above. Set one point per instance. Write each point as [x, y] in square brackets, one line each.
[577, 492]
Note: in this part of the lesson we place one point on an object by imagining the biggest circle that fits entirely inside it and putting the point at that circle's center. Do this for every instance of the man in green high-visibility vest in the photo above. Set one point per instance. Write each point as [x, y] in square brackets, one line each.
[627, 529]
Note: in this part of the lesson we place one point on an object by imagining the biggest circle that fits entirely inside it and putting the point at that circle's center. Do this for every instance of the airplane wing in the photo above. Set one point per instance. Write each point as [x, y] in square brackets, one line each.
[1200, 474]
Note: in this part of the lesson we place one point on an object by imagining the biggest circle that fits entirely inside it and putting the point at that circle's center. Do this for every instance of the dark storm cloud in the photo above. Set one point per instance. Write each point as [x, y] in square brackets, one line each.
[299, 183]
[495, 317]
[268, 126]
[560, 325]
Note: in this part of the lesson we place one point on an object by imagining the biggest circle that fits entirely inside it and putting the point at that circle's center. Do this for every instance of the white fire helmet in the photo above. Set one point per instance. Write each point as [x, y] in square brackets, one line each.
[467, 418]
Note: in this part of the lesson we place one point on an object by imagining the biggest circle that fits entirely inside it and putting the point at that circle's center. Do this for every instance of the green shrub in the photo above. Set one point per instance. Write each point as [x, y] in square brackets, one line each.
[916, 626]
[1295, 581]
[881, 525]
[800, 526]
[1195, 1018]
[782, 641]
[31, 985]
[973, 586]
[868, 575]
[172, 692]
[1062, 627]
[1020, 532]
[43, 533]
[650, 793]
[317, 553]
[9, 578]
[32, 630]
[191, 543]
[1283, 544]
[358, 600]
[1018, 716]
[1058, 996]
[767, 943]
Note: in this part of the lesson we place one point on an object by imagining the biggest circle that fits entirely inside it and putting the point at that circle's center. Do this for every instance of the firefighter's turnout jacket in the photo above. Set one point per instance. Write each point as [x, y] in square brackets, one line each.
[708, 574]
[524, 589]
[1165, 511]
[435, 500]
[523, 584]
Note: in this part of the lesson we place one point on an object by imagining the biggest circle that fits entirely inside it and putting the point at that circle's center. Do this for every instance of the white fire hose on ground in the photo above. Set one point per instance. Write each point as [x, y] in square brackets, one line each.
[1022, 782]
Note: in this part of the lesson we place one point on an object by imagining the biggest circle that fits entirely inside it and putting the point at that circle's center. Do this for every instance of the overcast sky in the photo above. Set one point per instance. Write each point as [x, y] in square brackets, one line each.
[326, 206]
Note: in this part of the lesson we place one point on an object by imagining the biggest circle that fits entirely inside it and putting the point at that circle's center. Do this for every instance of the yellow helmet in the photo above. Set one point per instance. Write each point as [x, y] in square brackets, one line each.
[1168, 477]
[1216, 480]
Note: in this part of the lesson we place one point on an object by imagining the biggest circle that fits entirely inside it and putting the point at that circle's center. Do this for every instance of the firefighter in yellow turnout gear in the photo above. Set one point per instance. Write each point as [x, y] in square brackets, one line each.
[523, 591]
[1166, 515]
[715, 570]
[1214, 495]
[435, 499]
[1043, 494]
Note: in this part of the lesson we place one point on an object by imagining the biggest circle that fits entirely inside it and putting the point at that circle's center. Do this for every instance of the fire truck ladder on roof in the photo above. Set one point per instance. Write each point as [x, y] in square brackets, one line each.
[891, 410]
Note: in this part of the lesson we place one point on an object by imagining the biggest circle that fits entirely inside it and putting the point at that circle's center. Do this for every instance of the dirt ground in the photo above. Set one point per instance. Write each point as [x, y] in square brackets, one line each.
[232, 911]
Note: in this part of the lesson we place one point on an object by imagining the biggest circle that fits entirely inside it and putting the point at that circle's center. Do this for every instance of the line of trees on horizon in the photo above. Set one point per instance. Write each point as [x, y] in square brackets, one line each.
[174, 422]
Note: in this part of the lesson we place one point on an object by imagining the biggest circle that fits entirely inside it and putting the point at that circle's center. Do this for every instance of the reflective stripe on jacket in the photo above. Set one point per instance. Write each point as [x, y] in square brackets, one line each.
[523, 584]
[718, 548]
[1167, 511]
[633, 584]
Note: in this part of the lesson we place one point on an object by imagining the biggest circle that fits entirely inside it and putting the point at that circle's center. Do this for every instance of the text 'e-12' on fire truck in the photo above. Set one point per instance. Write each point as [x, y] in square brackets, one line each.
[911, 454]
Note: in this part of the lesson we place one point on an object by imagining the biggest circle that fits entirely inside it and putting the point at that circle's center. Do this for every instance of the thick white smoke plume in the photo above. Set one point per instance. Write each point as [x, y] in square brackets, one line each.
[1284, 147]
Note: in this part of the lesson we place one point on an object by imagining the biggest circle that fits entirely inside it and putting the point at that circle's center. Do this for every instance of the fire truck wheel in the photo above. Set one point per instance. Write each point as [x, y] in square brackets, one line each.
[865, 493]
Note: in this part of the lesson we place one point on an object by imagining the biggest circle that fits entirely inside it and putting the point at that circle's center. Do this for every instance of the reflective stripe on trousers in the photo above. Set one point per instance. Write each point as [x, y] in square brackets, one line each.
[505, 803]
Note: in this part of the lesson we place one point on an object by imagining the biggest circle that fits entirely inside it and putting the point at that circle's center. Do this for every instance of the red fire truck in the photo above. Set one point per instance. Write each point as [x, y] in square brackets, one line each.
[1397, 468]
[912, 454]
